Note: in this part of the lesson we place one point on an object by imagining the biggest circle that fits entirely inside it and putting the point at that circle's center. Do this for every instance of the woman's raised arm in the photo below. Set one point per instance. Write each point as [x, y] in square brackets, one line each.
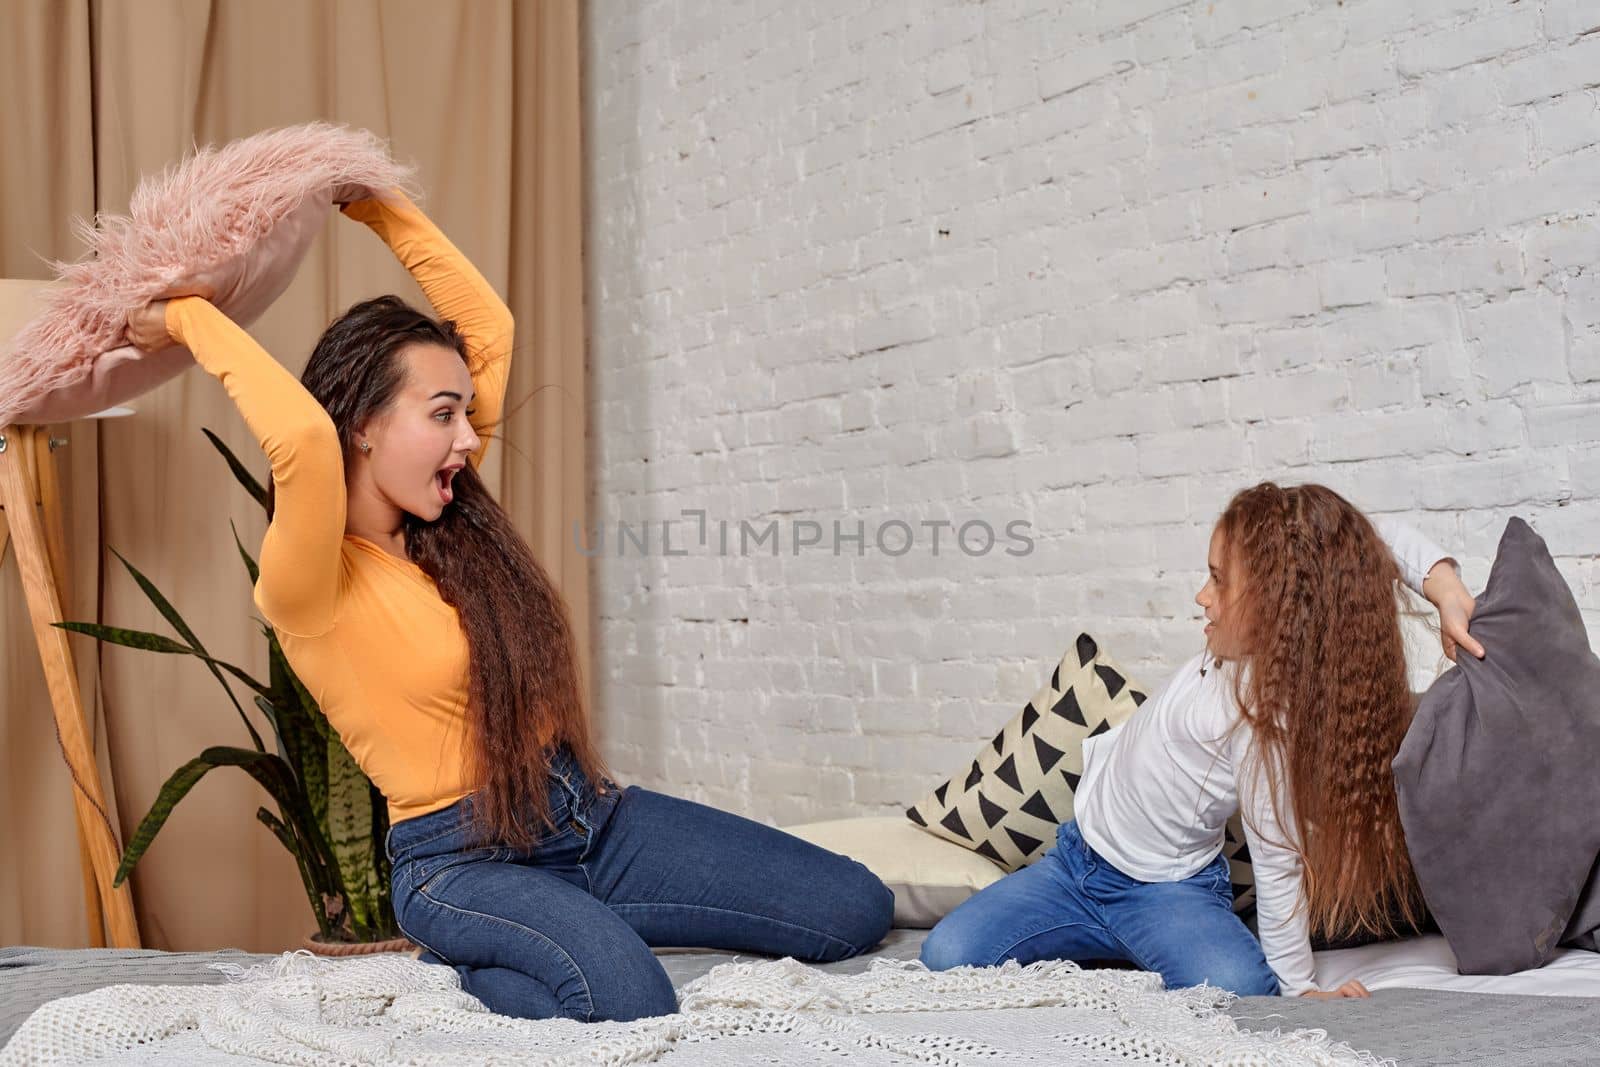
[298, 589]
[457, 291]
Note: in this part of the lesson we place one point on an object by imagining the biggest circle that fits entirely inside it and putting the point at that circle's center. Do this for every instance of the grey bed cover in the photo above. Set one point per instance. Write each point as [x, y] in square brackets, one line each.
[1414, 1026]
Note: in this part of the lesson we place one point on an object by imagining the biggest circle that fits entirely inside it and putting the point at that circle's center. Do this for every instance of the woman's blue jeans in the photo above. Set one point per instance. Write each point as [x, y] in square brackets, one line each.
[1073, 905]
[565, 928]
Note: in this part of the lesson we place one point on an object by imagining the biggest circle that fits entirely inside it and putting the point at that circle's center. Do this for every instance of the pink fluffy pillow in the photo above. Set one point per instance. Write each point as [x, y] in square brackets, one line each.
[237, 218]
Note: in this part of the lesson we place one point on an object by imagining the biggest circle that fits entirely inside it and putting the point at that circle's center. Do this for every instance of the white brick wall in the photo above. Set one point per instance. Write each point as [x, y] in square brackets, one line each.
[1093, 265]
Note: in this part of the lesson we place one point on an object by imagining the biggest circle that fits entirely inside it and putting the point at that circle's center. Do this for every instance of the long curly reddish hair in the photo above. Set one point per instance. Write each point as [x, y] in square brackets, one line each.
[1327, 695]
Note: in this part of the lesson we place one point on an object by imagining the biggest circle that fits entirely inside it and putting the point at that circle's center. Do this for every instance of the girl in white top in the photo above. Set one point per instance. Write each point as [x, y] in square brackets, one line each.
[1302, 630]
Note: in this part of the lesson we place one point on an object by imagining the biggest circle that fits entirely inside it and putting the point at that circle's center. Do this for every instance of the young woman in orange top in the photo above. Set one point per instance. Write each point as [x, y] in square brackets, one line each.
[440, 651]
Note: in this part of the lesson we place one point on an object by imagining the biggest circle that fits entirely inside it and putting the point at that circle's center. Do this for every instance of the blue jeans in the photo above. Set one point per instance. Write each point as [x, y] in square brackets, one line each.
[1073, 905]
[564, 929]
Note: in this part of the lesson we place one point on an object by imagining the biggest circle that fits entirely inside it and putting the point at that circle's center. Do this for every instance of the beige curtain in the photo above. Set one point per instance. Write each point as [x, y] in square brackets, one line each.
[483, 95]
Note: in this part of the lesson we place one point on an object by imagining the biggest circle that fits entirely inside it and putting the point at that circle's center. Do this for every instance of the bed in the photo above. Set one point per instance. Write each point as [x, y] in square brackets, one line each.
[1422, 1012]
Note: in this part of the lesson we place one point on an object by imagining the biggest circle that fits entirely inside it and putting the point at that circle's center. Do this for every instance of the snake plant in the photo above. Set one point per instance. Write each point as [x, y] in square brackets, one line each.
[328, 813]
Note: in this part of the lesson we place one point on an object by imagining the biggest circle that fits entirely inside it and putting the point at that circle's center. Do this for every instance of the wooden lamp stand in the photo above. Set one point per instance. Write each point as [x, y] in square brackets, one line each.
[30, 506]
[31, 519]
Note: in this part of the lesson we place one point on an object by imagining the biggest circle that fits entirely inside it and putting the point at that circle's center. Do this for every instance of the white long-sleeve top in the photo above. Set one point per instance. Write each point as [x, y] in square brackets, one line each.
[1158, 788]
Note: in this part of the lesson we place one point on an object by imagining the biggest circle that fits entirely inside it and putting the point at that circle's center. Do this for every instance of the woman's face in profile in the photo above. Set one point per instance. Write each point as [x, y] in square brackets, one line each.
[424, 437]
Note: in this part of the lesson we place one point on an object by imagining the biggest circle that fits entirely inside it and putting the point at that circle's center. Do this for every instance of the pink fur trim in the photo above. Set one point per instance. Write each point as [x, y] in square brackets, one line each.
[214, 207]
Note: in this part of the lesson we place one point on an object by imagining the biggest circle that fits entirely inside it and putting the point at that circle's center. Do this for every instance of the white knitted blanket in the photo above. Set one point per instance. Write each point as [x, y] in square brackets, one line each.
[387, 1010]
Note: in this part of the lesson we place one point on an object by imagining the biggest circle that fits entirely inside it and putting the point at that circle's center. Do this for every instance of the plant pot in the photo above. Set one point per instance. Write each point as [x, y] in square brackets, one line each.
[314, 943]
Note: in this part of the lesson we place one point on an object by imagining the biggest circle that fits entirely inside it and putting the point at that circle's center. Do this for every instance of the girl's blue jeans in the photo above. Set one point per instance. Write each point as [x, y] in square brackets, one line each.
[1073, 905]
[565, 928]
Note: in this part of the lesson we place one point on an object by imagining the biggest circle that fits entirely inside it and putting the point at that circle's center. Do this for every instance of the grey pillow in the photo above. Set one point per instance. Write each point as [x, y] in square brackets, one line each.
[1497, 781]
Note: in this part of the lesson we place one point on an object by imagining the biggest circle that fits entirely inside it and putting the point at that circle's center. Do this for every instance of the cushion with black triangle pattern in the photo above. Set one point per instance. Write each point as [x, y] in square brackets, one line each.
[1007, 803]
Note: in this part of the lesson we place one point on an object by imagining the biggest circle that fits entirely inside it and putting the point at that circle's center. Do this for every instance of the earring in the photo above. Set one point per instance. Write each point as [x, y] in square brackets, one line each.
[366, 446]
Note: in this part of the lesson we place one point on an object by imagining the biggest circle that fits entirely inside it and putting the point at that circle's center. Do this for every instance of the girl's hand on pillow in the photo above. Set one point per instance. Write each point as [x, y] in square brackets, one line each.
[1454, 613]
[1446, 591]
[1351, 988]
[147, 327]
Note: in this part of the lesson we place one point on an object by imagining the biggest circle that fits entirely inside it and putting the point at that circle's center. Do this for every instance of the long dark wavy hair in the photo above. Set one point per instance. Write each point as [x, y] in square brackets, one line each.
[525, 697]
[1327, 695]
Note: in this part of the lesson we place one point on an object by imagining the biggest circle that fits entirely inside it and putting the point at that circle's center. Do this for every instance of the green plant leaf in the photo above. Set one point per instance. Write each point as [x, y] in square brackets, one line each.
[174, 789]
[308, 703]
[350, 832]
[149, 642]
[175, 620]
[269, 770]
[165, 607]
[240, 471]
[283, 834]
[304, 734]
[116, 635]
[238, 672]
[295, 741]
[270, 713]
[278, 779]
[249, 561]
[384, 925]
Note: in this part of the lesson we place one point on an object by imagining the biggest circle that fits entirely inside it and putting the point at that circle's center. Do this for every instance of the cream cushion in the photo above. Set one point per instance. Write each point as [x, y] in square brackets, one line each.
[929, 876]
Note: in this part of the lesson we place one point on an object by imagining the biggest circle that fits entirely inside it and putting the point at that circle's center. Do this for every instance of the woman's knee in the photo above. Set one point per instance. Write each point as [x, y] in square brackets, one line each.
[846, 907]
[590, 967]
[616, 980]
[648, 994]
[508, 991]
[867, 913]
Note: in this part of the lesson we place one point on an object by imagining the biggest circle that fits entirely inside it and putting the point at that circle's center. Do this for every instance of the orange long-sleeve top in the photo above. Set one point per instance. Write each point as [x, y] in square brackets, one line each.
[366, 631]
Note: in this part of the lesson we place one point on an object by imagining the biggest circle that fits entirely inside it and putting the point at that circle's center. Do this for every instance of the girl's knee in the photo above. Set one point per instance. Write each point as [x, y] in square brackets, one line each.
[951, 945]
[1244, 977]
[1254, 982]
[1247, 983]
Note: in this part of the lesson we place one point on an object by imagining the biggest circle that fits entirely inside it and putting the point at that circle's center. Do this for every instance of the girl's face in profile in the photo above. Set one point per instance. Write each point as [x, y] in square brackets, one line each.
[1219, 597]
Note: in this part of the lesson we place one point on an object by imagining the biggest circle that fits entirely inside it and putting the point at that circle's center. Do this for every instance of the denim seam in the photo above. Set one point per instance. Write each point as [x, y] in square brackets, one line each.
[499, 855]
[1224, 887]
[1006, 952]
[743, 915]
[455, 828]
[413, 937]
[1100, 912]
[495, 855]
[429, 840]
[400, 924]
[588, 995]
[1132, 955]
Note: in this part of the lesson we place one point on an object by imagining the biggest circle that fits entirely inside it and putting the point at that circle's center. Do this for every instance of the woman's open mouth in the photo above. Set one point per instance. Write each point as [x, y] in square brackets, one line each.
[442, 482]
